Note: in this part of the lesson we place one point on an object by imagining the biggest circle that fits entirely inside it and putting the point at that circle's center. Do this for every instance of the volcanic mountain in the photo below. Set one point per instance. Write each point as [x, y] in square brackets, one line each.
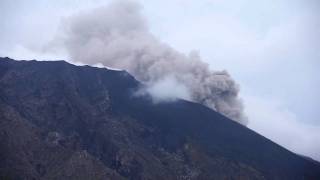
[61, 121]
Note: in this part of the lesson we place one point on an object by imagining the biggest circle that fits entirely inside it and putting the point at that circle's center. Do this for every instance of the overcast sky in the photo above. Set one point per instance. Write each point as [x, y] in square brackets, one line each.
[271, 48]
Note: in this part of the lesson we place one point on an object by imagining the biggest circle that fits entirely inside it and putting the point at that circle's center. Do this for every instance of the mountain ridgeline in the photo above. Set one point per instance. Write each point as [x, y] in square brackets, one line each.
[61, 121]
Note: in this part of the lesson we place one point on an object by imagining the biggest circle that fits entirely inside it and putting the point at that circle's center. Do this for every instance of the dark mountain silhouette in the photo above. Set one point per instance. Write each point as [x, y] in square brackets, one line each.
[60, 121]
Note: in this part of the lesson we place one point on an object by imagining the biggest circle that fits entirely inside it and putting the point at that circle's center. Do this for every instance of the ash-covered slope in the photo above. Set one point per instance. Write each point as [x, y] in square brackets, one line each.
[60, 121]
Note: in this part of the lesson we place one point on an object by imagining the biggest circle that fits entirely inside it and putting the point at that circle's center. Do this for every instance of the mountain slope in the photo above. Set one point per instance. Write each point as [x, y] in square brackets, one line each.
[60, 121]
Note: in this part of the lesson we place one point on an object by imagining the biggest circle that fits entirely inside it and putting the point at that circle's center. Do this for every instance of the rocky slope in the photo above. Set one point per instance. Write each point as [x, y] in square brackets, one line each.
[60, 121]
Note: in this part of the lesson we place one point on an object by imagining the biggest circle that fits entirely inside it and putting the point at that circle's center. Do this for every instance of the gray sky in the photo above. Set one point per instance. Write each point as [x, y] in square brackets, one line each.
[271, 47]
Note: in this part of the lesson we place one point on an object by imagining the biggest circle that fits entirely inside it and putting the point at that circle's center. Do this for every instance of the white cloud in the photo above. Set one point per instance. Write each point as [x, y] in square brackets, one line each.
[273, 120]
[166, 90]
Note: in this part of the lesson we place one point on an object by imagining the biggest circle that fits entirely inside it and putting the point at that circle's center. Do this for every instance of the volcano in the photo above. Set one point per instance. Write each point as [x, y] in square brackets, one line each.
[61, 121]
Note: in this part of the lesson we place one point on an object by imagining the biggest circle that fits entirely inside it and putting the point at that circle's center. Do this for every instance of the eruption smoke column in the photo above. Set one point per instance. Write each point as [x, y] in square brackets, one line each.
[117, 36]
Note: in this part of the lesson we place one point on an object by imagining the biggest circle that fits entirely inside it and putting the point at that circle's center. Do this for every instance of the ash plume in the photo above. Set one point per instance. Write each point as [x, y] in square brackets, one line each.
[117, 36]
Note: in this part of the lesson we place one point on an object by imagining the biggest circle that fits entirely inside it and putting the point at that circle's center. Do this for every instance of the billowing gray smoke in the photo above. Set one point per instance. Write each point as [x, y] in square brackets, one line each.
[117, 36]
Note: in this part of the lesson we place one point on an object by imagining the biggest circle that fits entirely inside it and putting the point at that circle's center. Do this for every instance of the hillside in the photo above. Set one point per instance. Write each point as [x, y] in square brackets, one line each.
[61, 121]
